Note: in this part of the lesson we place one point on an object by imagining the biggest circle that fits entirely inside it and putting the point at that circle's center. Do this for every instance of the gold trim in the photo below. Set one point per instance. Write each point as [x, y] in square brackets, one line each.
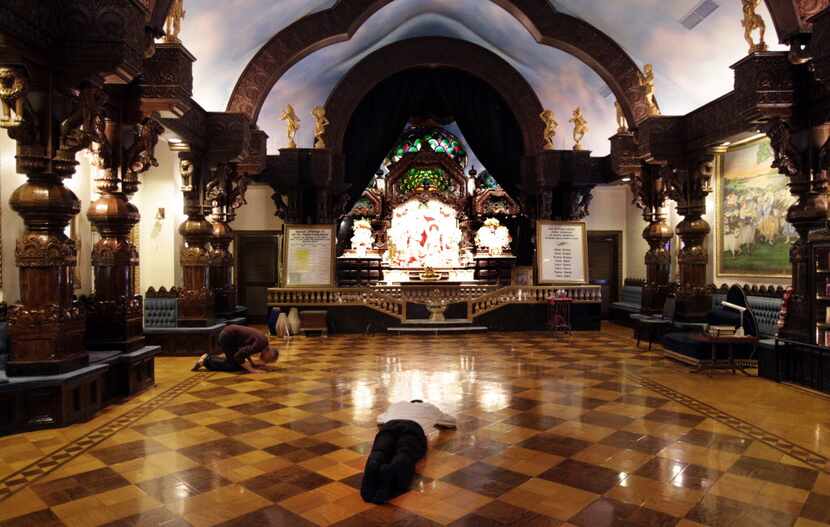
[719, 173]
[539, 280]
[286, 236]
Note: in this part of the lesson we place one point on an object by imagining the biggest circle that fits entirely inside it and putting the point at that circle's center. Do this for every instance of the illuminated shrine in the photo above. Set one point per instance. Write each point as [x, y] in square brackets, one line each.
[423, 214]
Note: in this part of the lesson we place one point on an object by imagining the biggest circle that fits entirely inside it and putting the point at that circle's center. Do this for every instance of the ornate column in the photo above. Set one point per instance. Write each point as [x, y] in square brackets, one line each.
[196, 303]
[46, 327]
[689, 189]
[649, 191]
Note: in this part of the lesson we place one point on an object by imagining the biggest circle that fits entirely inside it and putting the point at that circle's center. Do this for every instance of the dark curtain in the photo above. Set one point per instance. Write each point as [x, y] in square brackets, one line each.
[448, 95]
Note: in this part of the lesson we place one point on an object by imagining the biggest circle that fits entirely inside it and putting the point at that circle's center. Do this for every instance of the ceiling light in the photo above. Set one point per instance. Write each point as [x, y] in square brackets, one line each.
[626, 179]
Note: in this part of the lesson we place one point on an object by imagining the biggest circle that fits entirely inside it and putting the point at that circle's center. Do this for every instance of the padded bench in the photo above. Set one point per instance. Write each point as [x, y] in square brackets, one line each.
[161, 317]
[631, 300]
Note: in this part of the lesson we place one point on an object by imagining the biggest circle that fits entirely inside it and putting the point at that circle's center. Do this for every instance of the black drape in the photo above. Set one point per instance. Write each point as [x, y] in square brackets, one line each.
[484, 118]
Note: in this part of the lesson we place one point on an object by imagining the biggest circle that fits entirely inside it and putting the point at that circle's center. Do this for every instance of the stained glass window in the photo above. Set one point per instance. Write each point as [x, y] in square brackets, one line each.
[438, 140]
[417, 179]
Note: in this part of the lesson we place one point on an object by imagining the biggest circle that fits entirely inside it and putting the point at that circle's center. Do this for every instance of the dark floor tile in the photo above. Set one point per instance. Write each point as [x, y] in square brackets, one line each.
[535, 421]
[206, 453]
[472, 447]
[259, 407]
[43, 518]
[321, 407]
[239, 426]
[606, 512]
[500, 514]
[817, 508]
[190, 408]
[154, 518]
[313, 425]
[798, 477]
[386, 516]
[729, 443]
[184, 484]
[585, 476]
[267, 517]
[63, 490]
[128, 451]
[522, 404]
[285, 483]
[271, 394]
[555, 444]
[697, 477]
[675, 418]
[717, 511]
[486, 479]
[164, 427]
[638, 442]
[301, 449]
[211, 393]
[606, 419]
[641, 400]
[228, 381]
[587, 403]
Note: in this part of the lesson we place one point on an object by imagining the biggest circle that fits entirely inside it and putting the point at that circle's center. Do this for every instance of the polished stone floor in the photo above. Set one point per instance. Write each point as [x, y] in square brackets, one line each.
[585, 431]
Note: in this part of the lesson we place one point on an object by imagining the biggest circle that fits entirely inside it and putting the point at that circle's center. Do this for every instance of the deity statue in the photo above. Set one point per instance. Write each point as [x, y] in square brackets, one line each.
[293, 124]
[622, 123]
[493, 238]
[173, 22]
[550, 128]
[362, 240]
[647, 83]
[320, 124]
[580, 127]
[751, 22]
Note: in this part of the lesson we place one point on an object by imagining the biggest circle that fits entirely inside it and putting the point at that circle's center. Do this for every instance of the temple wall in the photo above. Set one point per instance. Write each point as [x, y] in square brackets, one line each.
[258, 213]
[608, 214]
[636, 246]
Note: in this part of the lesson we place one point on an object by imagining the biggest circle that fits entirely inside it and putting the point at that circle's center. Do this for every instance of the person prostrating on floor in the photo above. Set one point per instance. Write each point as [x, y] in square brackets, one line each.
[238, 345]
[398, 446]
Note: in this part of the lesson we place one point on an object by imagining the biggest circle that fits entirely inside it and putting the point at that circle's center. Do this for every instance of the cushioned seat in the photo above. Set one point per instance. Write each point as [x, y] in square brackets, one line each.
[630, 303]
[161, 312]
[166, 330]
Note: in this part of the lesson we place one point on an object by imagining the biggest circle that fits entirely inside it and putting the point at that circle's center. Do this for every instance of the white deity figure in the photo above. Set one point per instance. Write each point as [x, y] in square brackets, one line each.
[362, 239]
[493, 238]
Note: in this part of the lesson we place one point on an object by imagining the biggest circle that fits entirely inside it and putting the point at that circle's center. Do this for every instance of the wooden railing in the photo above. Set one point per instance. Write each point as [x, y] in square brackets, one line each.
[392, 300]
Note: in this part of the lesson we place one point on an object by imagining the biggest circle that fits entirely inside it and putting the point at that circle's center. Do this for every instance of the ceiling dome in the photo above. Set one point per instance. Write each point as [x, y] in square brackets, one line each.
[414, 139]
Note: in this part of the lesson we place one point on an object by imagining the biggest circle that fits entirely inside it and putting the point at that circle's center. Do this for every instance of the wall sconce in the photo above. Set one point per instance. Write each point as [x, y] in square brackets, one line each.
[160, 214]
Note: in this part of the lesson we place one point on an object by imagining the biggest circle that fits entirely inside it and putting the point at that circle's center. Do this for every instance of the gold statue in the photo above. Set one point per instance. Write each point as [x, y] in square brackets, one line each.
[173, 22]
[622, 123]
[647, 83]
[320, 124]
[580, 127]
[550, 128]
[751, 22]
[293, 124]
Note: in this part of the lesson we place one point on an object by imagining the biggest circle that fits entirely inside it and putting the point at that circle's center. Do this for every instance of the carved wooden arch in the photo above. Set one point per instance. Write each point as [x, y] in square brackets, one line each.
[435, 51]
[792, 16]
[338, 23]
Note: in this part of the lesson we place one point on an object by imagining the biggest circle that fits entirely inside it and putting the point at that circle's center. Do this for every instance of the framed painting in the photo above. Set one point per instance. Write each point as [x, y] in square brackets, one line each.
[751, 201]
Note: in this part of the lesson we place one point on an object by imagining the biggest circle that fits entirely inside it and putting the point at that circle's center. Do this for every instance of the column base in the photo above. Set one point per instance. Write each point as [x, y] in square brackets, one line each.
[692, 307]
[46, 340]
[115, 325]
[195, 308]
[36, 368]
[654, 296]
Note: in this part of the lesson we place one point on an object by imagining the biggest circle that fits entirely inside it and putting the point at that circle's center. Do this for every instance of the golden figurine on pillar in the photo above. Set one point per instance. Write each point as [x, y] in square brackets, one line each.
[580, 127]
[320, 124]
[752, 21]
[293, 124]
[173, 22]
[622, 122]
[550, 128]
[647, 84]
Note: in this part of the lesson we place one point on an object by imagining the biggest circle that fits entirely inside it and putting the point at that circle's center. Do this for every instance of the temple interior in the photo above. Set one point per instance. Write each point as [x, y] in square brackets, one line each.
[249, 250]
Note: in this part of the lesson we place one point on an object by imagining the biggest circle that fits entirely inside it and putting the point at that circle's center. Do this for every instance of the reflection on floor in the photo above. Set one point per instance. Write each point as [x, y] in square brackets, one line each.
[583, 431]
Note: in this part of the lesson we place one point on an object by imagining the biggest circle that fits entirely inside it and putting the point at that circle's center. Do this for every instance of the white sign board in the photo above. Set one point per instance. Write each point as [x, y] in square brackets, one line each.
[309, 255]
[561, 252]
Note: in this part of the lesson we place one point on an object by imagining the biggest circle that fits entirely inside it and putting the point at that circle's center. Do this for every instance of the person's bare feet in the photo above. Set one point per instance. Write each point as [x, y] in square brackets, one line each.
[199, 363]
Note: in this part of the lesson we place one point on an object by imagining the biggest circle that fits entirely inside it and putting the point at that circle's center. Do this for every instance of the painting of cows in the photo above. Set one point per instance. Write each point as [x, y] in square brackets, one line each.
[752, 200]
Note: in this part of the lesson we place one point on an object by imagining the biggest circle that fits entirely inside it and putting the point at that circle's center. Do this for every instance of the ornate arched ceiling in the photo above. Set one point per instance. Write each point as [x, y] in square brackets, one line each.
[692, 66]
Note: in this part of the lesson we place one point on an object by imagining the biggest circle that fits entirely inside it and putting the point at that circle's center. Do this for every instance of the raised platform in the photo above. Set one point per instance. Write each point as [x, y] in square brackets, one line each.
[451, 325]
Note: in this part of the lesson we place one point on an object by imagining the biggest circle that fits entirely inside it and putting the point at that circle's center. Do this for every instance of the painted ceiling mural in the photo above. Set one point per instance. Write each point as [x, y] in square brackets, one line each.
[691, 65]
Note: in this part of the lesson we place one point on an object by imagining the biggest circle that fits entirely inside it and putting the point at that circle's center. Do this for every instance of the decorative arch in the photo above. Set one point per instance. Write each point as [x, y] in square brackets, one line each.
[433, 52]
[792, 16]
[340, 22]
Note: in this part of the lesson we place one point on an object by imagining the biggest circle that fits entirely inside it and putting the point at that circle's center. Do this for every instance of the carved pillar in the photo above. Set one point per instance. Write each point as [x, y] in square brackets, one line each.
[196, 303]
[46, 328]
[689, 189]
[221, 267]
[650, 195]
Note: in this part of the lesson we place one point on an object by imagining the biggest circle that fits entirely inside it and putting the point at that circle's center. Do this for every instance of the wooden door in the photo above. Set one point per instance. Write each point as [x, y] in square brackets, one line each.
[605, 264]
[257, 268]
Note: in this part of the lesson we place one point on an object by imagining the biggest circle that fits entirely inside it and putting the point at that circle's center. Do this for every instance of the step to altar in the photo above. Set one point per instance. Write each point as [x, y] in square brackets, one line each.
[450, 325]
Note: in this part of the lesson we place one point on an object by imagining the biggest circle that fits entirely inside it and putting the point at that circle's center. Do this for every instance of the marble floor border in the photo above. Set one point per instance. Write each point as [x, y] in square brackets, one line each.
[50, 462]
[808, 457]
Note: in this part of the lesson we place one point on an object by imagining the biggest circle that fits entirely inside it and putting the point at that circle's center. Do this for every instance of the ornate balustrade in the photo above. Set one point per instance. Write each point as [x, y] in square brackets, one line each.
[391, 300]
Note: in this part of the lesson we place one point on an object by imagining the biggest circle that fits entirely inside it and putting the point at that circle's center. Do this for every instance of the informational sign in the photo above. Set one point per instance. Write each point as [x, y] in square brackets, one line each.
[309, 255]
[561, 252]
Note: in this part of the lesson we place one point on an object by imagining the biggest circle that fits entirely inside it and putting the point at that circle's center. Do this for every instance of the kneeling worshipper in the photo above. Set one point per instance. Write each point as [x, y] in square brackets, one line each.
[399, 445]
[238, 345]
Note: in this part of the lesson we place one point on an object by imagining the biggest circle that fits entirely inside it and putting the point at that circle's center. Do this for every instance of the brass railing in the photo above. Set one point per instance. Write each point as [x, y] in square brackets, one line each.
[392, 300]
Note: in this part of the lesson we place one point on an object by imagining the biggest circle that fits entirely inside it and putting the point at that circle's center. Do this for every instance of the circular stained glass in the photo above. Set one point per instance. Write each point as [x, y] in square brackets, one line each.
[440, 141]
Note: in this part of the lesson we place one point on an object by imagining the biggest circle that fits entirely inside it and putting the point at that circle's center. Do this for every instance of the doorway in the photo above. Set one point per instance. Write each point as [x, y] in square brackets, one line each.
[257, 269]
[605, 265]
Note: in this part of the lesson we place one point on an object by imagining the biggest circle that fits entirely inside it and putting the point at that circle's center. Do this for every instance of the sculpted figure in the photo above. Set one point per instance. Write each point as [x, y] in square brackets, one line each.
[647, 83]
[86, 123]
[320, 124]
[173, 22]
[550, 128]
[14, 85]
[293, 124]
[752, 21]
[580, 128]
[622, 123]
